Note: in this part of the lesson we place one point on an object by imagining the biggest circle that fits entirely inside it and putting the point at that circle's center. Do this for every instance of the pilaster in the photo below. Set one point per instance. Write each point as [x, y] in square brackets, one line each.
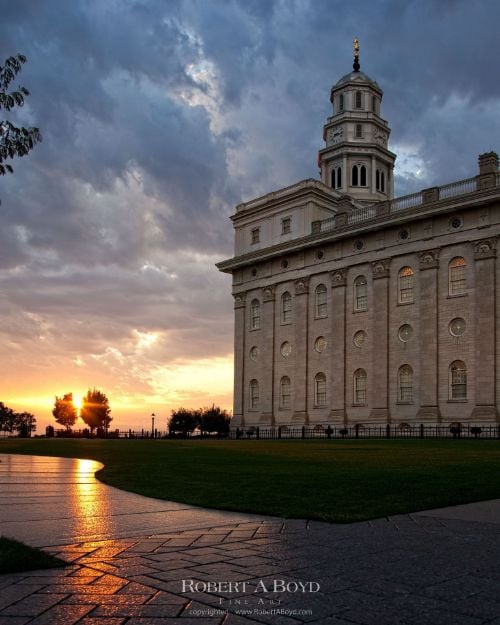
[338, 413]
[300, 416]
[239, 359]
[428, 336]
[485, 357]
[267, 347]
[380, 364]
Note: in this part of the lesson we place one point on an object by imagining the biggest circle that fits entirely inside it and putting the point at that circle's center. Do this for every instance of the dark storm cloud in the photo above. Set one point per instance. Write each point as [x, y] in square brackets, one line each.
[159, 116]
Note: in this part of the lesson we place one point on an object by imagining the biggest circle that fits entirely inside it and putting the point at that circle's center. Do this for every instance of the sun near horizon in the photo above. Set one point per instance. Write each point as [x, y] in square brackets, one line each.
[192, 384]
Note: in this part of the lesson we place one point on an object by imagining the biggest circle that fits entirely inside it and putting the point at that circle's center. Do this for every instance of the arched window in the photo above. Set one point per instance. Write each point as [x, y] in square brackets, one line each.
[377, 179]
[382, 182]
[255, 314]
[320, 390]
[334, 179]
[285, 396]
[358, 100]
[341, 102]
[374, 104]
[359, 131]
[354, 177]
[254, 394]
[360, 386]
[405, 383]
[458, 380]
[360, 293]
[339, 177]
[286, 307]
[321, 302]
[405, 285]
[363, 176]
[457, 277]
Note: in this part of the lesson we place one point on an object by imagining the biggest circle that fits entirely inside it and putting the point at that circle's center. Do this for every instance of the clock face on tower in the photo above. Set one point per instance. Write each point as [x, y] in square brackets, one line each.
[335, 135]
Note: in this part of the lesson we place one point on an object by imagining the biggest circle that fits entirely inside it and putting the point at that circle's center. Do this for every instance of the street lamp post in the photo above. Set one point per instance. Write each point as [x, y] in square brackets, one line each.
[153, 425]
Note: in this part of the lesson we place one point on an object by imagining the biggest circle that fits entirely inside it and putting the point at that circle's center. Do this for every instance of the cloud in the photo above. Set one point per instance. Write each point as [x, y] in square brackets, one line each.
[158, 117]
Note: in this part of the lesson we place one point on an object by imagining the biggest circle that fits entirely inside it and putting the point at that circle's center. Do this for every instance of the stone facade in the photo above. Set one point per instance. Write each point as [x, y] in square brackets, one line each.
[349, 311]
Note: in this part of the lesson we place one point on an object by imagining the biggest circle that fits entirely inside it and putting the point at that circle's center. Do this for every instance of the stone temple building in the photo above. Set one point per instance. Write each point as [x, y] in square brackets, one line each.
[355, 307]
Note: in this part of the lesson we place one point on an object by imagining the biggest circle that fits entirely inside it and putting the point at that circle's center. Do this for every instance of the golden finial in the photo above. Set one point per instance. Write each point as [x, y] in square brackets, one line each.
[356, 64]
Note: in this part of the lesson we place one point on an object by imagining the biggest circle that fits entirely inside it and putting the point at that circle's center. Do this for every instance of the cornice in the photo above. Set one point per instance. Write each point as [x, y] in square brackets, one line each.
[423, 211]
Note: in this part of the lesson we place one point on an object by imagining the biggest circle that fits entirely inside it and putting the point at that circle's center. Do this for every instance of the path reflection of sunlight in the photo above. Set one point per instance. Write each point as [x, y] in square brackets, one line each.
[90, 504]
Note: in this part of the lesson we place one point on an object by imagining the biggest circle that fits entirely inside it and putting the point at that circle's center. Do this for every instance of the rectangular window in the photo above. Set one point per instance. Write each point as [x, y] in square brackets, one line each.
[360, 391]
[406, 289]
[359, 131]
[255, 235]
[341, 102]
[458, 280]
[286, 225]
[358, 100]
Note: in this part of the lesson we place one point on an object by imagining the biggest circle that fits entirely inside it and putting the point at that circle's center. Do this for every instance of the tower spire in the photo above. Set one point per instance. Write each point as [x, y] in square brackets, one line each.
[356, 64]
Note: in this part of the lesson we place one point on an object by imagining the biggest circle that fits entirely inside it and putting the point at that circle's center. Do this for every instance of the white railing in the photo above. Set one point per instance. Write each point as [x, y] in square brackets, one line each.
[457, 188]
[405, 201]
[365, 213]
[362, 214]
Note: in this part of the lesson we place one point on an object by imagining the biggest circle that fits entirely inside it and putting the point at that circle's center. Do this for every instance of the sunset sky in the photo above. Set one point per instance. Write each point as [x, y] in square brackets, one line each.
[158, 117]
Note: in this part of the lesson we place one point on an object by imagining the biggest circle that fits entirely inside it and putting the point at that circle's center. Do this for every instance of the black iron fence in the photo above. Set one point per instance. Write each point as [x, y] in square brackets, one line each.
[365, 432]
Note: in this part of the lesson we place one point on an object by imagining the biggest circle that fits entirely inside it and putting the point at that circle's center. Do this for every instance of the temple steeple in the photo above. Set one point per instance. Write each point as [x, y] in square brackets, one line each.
[356, 160]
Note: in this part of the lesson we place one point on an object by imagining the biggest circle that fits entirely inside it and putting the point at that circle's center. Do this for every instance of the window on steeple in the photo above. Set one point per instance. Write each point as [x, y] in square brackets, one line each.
[336, 177]
[374, 104]
[341, 102]
[380, 180]
[358, 100]
[359, 131]
[354, 177]
[363, 176]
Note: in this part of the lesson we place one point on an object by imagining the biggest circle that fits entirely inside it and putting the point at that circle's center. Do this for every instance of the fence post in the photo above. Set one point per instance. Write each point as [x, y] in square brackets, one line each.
[356, 430]
[279, 431]
[303, 431]
[258, 432]
[388, 431]
[421, 430]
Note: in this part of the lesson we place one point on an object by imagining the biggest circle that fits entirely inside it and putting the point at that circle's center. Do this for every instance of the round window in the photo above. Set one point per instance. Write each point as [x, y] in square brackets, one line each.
[286, 349]
[359, 338]
[359, 245]
[456, 223]
[254, 353]
[405, 333]
[404, 234]
[320, 254]
[320, 344]
[457, 326]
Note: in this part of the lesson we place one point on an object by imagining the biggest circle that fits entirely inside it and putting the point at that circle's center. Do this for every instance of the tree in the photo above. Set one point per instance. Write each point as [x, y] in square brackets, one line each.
[7, 418]
[64, 411]
[14, 141]
[183, 420]
[25, 424]
[22, 422]
[95, 410]
[214, 419]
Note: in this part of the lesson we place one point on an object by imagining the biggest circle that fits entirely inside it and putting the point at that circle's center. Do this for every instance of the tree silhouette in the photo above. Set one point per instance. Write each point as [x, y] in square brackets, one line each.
[14, 141]
[214, 419]
[95, 410]
[23, 422]
[183, 420]
[64, 411]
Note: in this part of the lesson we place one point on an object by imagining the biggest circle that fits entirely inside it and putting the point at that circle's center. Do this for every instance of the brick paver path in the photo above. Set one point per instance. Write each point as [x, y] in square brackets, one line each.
[407, 570]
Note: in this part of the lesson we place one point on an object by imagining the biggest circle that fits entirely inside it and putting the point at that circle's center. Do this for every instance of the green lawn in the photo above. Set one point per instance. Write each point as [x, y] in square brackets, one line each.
[16, 557]
[337, 481]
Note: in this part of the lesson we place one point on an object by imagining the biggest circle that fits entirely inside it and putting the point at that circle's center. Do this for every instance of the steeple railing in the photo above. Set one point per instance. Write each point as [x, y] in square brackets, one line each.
[405, 202]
